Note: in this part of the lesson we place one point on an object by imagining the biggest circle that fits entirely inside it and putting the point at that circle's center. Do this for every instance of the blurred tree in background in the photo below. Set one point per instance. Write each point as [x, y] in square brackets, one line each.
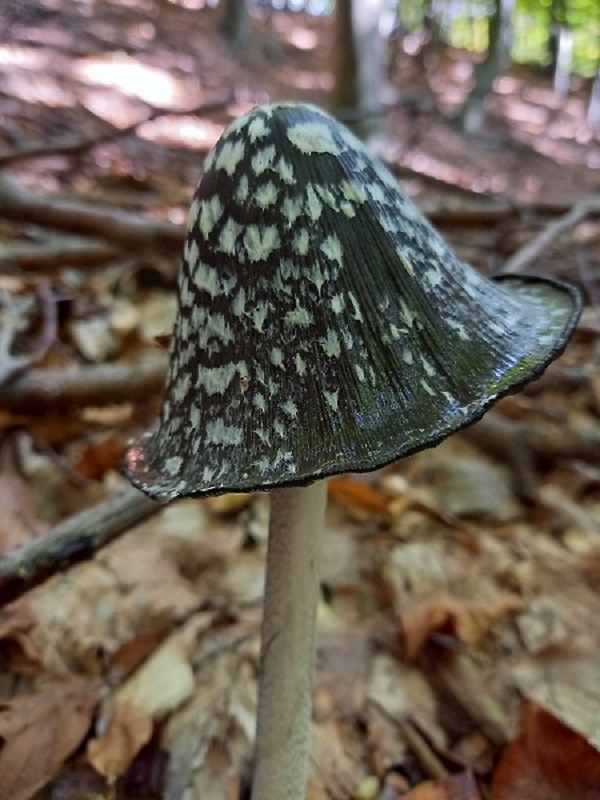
[558, 35]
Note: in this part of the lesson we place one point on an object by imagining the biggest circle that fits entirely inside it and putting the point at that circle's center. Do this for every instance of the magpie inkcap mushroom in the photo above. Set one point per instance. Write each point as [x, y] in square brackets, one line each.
[324, 326]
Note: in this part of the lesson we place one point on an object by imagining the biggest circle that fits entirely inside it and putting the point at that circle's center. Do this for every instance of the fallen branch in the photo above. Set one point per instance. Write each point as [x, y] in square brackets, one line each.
[56, 252]
[490, 212]
[567, 378]
[115, 225]
[519, 444]
[533, 249]
[78, 146]
[39, 390]
[72, 540]
[125, 228]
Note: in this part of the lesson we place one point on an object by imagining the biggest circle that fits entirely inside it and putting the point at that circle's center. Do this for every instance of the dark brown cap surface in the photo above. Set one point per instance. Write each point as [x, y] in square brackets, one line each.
[324, 326]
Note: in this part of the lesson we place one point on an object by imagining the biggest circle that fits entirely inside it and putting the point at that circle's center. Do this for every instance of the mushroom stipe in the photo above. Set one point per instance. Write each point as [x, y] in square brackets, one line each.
[324, 326]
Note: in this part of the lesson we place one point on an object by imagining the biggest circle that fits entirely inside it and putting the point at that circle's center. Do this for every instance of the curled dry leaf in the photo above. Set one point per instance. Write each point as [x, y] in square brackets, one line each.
[94, 339]
[396, 692]
[101, 456]
[225, 504]
[468, 620]
[130, 728]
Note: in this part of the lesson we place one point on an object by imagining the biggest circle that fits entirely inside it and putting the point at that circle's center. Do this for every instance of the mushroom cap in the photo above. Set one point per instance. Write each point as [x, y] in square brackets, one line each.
[324, 326]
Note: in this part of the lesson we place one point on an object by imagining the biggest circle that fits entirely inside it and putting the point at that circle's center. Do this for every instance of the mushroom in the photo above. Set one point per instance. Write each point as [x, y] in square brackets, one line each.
[324, 326]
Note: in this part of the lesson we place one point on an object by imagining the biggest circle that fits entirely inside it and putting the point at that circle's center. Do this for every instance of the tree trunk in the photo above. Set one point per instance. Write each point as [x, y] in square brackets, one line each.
[359, 64]
[471, 116]
[235, 22]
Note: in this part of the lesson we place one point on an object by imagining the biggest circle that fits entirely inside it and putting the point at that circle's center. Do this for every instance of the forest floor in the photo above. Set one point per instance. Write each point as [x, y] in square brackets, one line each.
[459, 628]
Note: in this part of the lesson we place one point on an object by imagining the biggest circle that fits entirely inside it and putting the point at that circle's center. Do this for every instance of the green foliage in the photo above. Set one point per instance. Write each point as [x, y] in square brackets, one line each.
[465, 23]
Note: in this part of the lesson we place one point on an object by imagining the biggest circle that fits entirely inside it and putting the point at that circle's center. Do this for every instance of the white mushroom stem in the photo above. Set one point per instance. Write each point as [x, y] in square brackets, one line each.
[288, 641]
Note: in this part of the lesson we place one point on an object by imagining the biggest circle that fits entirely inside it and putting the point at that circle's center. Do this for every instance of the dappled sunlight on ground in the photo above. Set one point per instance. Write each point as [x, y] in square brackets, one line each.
[182, 130]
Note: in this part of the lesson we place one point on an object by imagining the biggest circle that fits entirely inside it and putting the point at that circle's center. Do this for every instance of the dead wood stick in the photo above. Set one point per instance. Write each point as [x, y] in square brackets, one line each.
[568, 378]
[533, 249]
[56, 252]
[491, 213]
[130, 229]
[512, 440]
[427, 758]
[38, 390]
[78, 146]
[115, 225]
[72, 540]
[408, 173]
[456, 676]
[481, 217]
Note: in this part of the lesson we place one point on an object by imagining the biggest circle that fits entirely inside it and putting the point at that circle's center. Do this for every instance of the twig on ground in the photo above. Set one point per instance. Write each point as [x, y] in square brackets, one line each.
[533, 249]
[569, 378]
[419, 745]
[519, 443]
[408, 173]
[429, 761]
[491, 212]
[72, 540]
[56, 252]
[39, 390]
[127, 229]
[79, 146]
[131, 230]
[455, 676]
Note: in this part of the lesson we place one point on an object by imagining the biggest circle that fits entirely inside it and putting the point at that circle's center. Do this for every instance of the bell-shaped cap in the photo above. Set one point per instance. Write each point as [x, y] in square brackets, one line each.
[324, 326]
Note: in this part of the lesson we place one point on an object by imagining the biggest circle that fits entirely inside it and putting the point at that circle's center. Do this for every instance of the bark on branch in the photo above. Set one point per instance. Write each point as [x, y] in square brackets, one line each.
[72, 540]
[38, 390]
[115, 225]
[532, 251]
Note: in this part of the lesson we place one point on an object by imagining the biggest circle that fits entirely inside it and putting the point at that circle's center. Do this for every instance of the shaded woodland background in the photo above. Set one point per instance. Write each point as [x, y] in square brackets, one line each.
[459, 625]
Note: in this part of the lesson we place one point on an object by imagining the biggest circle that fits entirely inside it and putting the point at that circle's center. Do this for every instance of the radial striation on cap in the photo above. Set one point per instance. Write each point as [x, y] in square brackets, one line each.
[324, 326]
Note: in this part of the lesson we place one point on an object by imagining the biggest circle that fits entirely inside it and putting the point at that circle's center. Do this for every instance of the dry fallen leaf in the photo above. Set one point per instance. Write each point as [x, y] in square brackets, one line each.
[335, 768]
[209, 740]
[40, 731]
[16, 620]
[566, 684]
[357, 494]
[100, 456]
[468, 620]
[18, 521]
[163, 682]
[129, 729]
[547, 761]
[460, 786]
